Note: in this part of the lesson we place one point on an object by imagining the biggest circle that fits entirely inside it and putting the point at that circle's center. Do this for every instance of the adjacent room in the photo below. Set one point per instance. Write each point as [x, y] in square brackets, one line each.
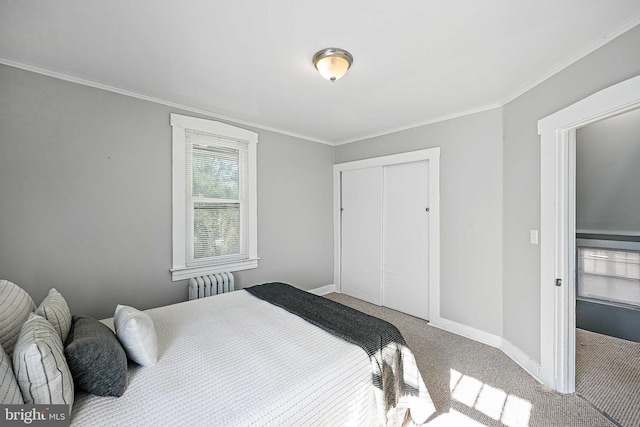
[608, 254]
[342, 213]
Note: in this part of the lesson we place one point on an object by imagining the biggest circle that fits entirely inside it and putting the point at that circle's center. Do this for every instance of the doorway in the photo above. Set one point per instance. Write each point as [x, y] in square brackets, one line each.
[558, 225]
[608, 226]
[608, 266]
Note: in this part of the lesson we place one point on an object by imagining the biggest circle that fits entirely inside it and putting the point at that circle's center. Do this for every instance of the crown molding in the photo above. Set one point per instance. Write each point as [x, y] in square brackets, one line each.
[426, 122]
[137, 95]
[601, 42]
[566, 64]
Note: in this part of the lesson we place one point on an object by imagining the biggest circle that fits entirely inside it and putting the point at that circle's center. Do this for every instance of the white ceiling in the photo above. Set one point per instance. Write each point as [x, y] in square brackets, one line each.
[414, 61]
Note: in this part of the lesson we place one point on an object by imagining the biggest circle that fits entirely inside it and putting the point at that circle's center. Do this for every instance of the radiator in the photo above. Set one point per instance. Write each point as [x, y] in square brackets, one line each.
[211, 284]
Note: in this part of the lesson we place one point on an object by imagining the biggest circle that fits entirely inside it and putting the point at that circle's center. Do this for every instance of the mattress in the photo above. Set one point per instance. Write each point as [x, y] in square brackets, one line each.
[236, 360]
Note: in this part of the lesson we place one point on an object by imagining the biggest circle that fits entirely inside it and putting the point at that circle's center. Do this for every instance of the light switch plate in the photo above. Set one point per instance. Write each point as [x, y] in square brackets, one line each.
[533, 237]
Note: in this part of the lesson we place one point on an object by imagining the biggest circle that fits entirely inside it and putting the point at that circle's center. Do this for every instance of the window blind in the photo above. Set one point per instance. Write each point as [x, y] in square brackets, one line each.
[609, 274]
[217, 217]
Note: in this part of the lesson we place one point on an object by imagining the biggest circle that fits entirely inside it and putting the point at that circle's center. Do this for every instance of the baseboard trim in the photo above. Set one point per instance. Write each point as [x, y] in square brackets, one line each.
[467, 332]
[323, 290]
[521, 358]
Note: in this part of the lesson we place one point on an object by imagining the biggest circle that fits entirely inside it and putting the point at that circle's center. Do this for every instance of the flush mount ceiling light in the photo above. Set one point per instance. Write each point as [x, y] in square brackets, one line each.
[332, 63]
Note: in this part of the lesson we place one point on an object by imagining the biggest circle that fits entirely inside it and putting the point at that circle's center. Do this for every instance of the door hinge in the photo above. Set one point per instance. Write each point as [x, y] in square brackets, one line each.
[558, 282]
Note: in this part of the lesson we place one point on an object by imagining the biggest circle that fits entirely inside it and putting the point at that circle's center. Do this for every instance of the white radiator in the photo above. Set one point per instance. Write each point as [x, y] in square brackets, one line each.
[211, 284]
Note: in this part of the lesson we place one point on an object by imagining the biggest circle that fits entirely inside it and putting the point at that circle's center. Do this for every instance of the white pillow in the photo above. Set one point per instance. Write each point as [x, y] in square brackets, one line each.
[15, 306]
[40, 367]
[54, 308]
[137, 335]
[10, 393]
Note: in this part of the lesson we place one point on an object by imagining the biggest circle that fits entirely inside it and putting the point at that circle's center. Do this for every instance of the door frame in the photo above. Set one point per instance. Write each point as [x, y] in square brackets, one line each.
[558, 225]
[433, 156]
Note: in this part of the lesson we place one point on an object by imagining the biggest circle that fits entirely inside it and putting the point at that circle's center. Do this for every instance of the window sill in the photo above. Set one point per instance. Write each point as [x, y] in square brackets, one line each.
[182, 273]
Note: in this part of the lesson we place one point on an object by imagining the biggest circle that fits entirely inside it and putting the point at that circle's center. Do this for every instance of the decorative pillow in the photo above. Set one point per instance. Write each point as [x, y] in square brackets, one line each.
[97, 361]
[40, 366]
[15, 306]
[137, 334]
[54, 308]
[10, 393]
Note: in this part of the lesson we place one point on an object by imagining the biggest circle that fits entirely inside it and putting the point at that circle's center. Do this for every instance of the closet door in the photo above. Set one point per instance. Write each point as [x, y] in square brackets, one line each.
[362, 234]
[405, 278]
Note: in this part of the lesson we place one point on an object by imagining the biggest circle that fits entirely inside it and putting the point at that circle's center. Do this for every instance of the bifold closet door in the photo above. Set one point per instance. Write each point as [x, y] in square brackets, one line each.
[405, 265]
[362, 234]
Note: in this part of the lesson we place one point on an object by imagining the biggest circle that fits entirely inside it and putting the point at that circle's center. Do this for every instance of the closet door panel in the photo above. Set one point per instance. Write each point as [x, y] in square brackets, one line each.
[405, 278]
[362, 234]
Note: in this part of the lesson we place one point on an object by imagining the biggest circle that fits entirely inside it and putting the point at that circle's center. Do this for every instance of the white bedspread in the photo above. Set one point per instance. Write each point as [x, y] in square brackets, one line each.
[235, 360]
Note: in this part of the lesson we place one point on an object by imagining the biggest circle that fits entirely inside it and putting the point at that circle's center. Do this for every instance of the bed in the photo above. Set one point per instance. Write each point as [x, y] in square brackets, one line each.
[271, 355]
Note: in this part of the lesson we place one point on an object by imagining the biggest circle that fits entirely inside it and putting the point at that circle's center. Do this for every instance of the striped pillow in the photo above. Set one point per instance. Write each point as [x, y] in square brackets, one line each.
[41, 369]
[54, 308]
[15, 306]
[9, 391]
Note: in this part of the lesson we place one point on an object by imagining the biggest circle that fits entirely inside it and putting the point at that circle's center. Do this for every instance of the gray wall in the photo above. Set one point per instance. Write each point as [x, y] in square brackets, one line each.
[611, 64]
[608, 175]
[473, 221]
[471, 210]
[85, 198]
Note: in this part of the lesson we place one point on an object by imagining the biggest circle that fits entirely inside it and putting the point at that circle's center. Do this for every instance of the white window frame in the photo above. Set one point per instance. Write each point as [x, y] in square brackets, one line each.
[180, 194]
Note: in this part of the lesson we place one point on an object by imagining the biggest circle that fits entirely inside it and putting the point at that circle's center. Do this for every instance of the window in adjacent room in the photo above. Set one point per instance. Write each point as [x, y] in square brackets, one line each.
[214, 197]
[609, 271]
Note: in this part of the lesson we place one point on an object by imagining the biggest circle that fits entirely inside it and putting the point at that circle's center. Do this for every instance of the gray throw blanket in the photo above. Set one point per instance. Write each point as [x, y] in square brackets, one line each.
[400, 391]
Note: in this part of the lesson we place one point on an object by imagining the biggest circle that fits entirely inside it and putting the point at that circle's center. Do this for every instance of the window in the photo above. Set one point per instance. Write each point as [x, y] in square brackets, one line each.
[214, 197]
[609, 271]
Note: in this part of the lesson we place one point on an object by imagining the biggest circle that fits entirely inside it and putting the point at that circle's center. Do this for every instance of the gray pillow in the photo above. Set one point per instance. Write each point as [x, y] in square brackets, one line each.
[97, 361]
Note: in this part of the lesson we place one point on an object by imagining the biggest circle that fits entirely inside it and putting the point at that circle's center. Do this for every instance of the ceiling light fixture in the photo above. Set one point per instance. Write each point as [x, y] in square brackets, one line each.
[332, 63]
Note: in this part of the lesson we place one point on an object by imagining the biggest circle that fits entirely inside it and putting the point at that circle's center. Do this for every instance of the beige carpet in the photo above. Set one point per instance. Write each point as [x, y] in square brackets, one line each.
[608, 375]
[473, 384]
